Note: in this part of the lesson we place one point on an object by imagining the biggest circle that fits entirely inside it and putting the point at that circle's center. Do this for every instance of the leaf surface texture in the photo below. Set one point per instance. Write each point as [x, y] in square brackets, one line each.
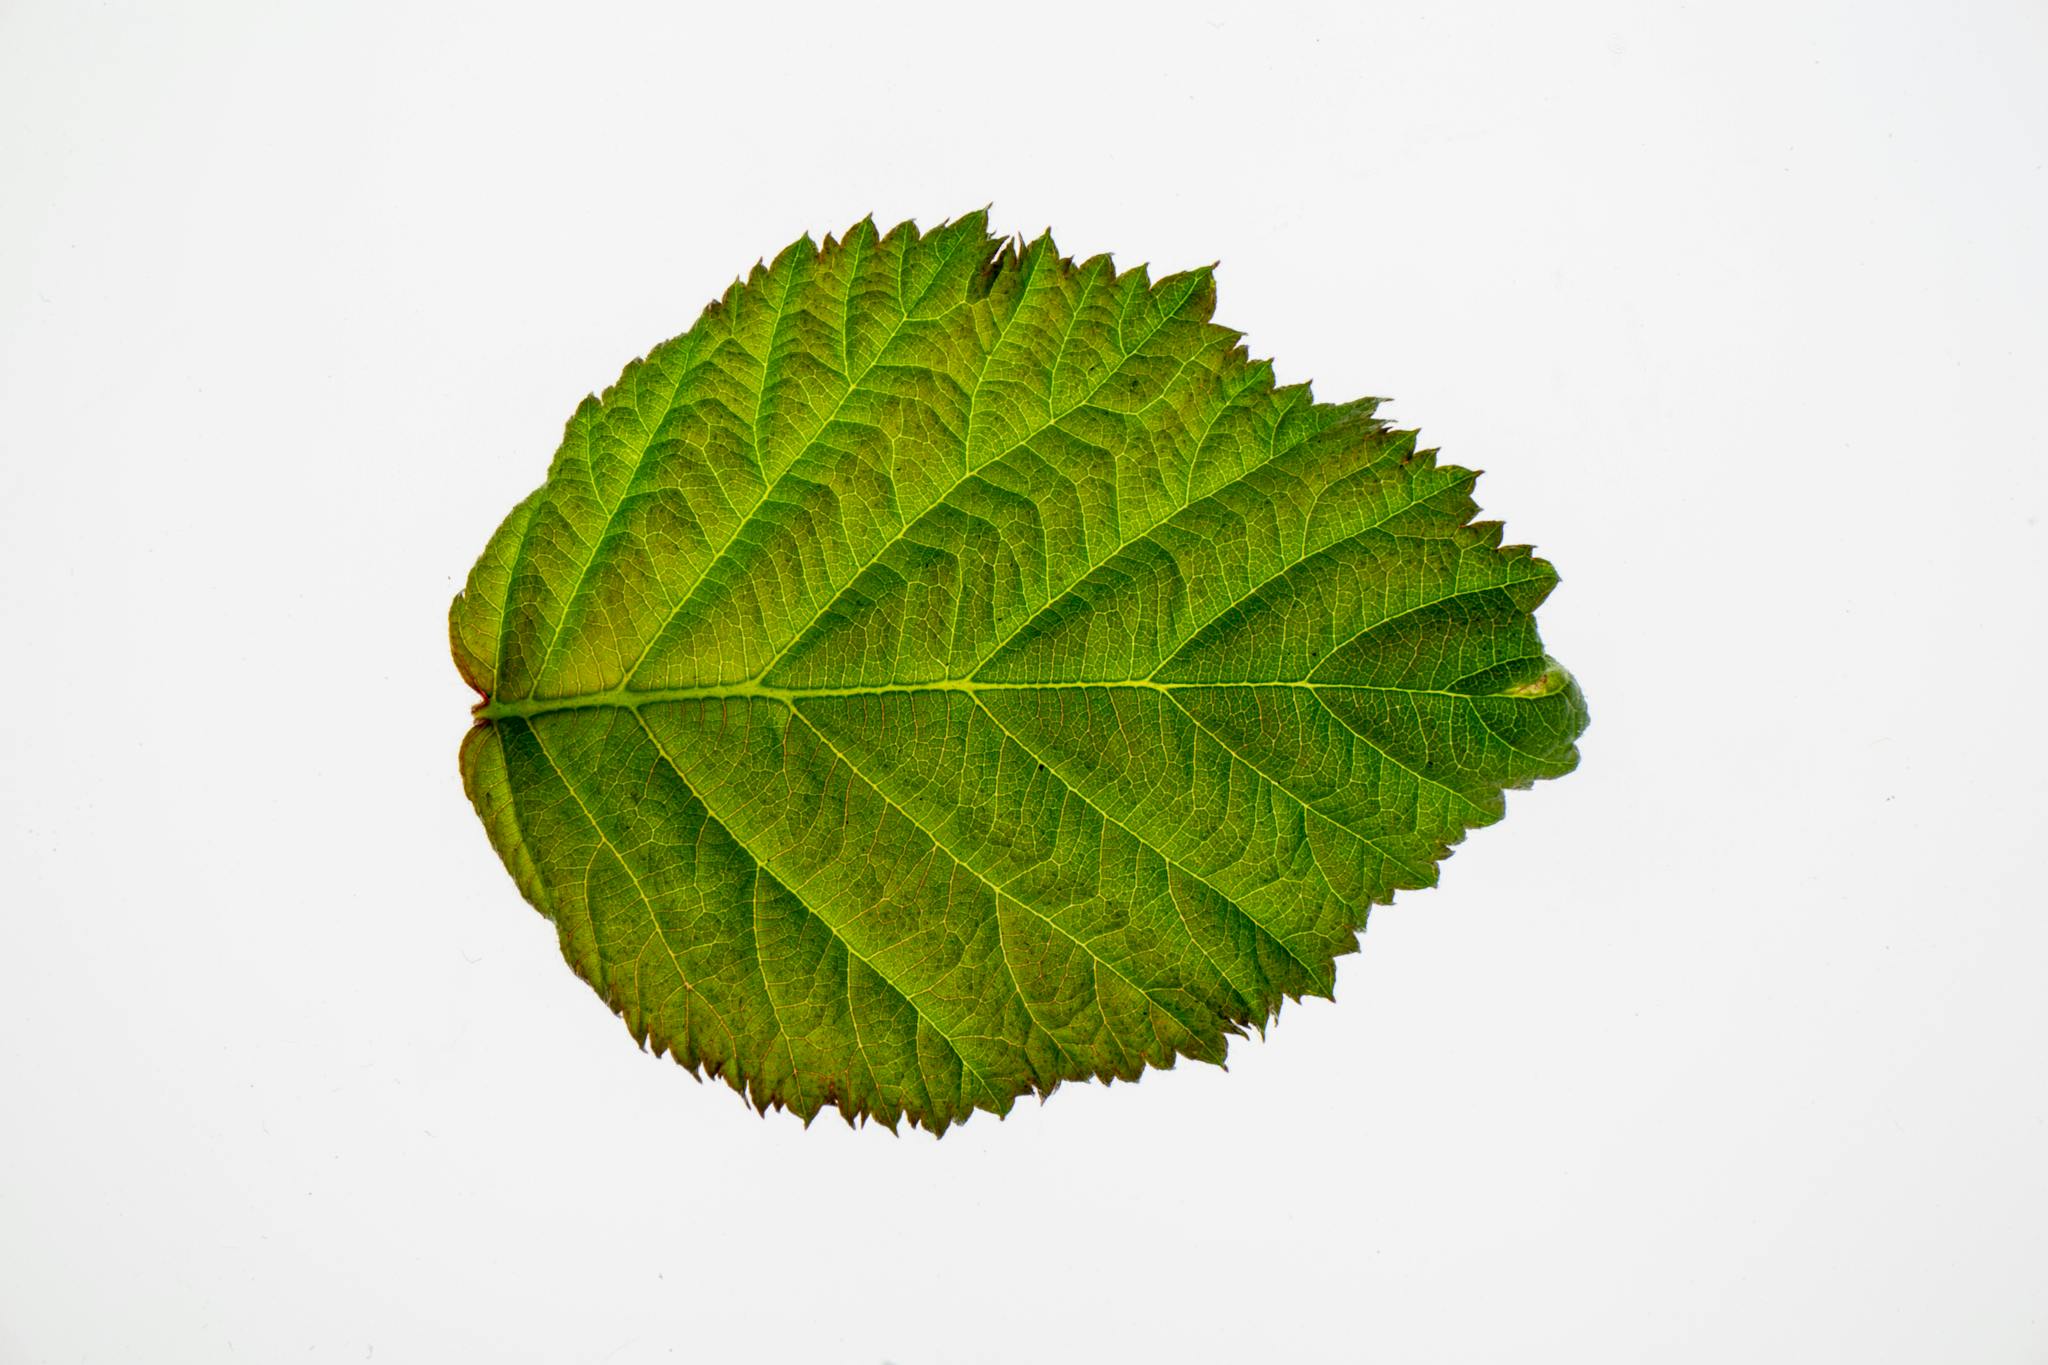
[949, 669]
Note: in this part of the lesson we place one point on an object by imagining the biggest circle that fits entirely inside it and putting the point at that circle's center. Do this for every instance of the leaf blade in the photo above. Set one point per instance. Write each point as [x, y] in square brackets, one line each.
[950, 670]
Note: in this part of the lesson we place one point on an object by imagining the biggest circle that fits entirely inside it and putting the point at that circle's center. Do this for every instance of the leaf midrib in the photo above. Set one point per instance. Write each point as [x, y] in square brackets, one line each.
[633, 699]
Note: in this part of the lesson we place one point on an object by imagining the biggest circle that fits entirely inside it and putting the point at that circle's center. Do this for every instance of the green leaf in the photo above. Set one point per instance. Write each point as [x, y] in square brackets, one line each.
[947, 670]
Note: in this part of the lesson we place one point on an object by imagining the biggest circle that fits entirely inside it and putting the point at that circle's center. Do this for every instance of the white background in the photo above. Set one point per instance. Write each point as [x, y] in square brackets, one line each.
[1728, 1047]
